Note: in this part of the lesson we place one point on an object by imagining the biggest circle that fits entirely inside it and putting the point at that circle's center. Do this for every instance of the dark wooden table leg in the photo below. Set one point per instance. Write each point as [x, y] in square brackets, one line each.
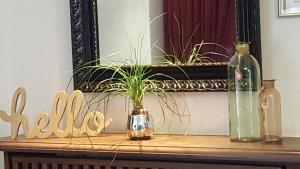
[7, 162]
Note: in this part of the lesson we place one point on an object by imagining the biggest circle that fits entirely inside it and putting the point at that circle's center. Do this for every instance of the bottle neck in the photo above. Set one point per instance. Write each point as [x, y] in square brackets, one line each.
[243, 53]
[242, 49]
[269, 84]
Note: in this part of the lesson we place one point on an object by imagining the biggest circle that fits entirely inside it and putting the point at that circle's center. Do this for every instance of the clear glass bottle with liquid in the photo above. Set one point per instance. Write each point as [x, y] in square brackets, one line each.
[244, 84]
[270, 108]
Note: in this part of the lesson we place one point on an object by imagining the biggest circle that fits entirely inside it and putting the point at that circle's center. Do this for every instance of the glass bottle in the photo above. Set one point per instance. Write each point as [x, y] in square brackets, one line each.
[271, 113]
[244, 84]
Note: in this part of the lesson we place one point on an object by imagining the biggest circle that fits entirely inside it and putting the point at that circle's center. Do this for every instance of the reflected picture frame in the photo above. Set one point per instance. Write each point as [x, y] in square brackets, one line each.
[289, 7]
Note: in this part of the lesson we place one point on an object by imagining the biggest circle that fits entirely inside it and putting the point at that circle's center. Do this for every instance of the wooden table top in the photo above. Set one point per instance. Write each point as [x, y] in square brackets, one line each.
[204, 146]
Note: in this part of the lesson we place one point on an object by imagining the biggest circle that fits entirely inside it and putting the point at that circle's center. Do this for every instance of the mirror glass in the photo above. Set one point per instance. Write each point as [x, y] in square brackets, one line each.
[160, 31]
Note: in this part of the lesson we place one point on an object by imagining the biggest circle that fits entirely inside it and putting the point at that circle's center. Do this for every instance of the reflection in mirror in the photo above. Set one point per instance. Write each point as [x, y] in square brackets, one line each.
[123, 23]
[184, 32]
[203, 29]
[91, 28]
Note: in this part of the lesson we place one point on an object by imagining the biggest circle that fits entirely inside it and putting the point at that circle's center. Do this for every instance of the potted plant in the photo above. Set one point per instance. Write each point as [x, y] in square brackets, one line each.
[134, 80]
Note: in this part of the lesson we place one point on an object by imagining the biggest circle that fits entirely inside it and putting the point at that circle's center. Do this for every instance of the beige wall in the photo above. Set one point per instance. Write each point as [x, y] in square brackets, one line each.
[281, 61]
[35, 52]
[128, 22]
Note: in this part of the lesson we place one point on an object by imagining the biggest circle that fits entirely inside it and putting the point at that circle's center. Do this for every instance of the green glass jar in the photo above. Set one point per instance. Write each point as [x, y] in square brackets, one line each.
[244, 83]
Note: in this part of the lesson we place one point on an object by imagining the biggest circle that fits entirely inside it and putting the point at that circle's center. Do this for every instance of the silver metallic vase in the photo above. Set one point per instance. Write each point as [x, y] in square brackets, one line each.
[138, 125]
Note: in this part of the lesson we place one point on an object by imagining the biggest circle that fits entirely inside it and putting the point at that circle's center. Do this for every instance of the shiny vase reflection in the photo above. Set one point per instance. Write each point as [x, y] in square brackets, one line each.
[139, 124]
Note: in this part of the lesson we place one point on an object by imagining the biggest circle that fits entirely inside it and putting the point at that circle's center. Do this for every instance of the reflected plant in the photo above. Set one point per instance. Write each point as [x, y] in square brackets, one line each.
[195, 55]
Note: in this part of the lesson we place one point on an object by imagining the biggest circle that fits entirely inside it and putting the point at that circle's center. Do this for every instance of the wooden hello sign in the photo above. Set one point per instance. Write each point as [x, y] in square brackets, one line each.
[47, 124]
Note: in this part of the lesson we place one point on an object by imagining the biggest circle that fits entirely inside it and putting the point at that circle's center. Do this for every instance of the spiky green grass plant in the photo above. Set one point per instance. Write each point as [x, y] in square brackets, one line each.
[132, 79]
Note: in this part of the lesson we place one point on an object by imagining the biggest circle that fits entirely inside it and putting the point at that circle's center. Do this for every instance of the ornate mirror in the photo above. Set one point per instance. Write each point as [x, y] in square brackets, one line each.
[175, 28]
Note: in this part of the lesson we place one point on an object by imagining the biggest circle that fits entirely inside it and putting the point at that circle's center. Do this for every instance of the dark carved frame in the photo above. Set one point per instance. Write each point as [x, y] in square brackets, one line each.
[205, 77]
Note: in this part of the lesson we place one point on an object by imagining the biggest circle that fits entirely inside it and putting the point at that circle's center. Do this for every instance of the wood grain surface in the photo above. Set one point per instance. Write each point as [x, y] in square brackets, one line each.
[204, 147]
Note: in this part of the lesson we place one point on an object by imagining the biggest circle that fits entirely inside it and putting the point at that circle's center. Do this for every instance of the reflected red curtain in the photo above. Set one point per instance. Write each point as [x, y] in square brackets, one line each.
[189, 22]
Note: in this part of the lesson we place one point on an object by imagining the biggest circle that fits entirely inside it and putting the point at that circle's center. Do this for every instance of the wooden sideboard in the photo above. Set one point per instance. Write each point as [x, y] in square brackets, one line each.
[114, 151]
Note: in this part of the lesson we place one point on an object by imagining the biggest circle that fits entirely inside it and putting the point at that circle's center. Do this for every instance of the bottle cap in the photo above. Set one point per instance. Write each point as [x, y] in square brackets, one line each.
[269, 83]
[242, 48]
